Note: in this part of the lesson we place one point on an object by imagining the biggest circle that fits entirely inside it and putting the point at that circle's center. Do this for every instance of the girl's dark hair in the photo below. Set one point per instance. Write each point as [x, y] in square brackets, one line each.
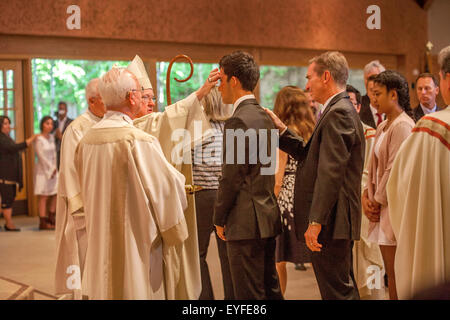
[2, 119]
[41, 125]
[393, 80]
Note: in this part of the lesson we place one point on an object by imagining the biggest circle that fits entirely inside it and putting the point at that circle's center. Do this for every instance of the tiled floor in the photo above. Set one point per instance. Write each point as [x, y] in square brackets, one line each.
[29, 257]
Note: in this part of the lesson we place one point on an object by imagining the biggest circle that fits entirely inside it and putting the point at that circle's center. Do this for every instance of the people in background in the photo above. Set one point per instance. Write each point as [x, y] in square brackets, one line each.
[368, 112]
[418, 195]
[206, 171]
[293, 108]
[366, 254]
[391, 93]
[11, 172]
[46, 175]
[427, 89]
[60, 125]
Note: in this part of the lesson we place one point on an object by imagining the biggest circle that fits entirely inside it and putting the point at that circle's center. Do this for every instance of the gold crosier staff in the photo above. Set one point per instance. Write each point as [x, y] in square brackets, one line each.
[190, 189]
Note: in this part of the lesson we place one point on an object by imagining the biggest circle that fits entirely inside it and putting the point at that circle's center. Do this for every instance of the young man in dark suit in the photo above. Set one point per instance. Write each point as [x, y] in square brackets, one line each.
[327, 200]
[246, 213]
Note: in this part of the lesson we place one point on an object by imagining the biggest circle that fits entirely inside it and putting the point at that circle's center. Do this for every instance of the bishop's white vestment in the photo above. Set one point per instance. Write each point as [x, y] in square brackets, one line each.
[179, 128]
[134, 202]
[368, 263]
[70, 224]
[419, 206]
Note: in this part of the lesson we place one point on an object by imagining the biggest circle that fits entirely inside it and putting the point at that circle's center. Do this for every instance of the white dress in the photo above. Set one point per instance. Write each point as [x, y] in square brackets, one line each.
[44, 183]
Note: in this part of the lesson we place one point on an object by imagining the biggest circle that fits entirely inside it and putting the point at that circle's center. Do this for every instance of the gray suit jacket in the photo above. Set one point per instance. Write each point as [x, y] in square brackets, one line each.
[246, 203]
[328, 179]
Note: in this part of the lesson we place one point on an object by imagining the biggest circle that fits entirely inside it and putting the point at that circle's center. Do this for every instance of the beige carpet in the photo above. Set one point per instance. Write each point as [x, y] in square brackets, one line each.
[28, 257]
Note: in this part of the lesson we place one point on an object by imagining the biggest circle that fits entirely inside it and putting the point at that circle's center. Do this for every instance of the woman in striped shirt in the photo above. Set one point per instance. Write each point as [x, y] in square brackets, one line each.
[206, 170]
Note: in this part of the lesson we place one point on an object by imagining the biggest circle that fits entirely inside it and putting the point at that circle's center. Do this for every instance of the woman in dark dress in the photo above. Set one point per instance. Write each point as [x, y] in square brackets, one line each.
[10, 169]
[292, 107]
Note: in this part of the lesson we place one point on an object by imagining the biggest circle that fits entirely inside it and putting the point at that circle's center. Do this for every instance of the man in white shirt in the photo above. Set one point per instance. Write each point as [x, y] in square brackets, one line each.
[427, 89]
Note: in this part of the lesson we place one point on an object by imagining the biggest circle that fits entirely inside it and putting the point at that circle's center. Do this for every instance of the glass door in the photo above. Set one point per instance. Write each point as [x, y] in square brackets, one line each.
[11, 105]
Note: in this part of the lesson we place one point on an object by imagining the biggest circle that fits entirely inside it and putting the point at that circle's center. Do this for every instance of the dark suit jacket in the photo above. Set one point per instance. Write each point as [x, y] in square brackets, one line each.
[418, 112]
[58, 141]
[328, 179]
[68, 121]
[365, 114]
[246, 203]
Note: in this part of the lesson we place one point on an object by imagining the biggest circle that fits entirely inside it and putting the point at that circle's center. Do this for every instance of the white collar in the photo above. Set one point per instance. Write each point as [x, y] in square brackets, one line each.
[114, 119]
[93, 116]
[330, 98]
[238, 101]
[428, 111]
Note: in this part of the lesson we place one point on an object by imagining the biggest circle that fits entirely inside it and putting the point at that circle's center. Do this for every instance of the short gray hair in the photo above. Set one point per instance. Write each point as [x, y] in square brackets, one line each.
[444, 60]
[91, 89]
[115, 85]
[375, 64]
[335, 63]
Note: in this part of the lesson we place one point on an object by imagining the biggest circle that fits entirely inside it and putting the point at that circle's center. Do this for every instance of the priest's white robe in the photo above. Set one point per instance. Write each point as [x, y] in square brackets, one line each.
[134, 202]
[70, 224]
[419, 206]
[179, 128]
[368, 263]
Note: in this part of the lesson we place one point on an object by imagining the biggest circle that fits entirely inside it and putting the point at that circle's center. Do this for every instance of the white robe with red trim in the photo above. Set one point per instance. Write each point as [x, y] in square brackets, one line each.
[367, 259]
[419, 206]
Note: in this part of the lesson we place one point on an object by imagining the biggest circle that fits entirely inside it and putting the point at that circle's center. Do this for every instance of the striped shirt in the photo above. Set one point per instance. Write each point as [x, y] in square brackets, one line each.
[207, 158]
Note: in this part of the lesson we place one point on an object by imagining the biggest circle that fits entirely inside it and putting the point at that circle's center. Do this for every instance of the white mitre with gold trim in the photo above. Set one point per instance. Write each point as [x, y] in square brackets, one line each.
[137, 68]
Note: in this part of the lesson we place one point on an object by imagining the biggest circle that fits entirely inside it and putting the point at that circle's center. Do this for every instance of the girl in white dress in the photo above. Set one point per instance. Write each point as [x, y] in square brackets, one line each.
[46, 174]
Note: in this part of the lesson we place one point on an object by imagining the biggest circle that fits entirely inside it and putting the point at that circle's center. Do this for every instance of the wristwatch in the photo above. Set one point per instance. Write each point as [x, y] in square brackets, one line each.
[313, 223]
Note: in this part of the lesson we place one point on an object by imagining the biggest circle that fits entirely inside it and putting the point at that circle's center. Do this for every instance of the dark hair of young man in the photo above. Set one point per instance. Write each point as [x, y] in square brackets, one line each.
[241, 65]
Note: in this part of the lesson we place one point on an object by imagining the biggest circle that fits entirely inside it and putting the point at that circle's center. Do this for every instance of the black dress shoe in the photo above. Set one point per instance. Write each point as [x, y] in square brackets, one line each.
[13, 229]
[300, 266]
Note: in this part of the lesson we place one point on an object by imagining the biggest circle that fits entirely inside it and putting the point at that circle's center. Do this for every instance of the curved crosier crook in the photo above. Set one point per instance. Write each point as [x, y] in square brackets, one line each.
[169, 69]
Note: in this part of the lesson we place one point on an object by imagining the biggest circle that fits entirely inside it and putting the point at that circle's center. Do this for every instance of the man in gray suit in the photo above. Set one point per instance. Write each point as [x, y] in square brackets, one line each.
[327, 201]
[246, 213]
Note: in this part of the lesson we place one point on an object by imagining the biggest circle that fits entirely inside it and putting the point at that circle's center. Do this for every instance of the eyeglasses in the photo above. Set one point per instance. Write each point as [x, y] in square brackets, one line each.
[147, 97]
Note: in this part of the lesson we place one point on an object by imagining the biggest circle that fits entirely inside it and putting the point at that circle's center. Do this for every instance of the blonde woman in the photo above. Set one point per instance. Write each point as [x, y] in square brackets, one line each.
[293, 108]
